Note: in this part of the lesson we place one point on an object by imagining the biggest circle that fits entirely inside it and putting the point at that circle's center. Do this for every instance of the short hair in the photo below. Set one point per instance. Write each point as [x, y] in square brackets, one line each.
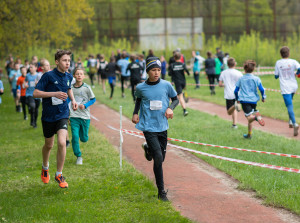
[34, 64]
[23, 67]
[43, 61]
[209, 54]
[101, 56]
[141, 56]
[77, 69]
[123, 55]
[132, 57]
[112, 59]
[60, 53]
[231, 62]
[284, 52]
[177, 56]
[249, 66]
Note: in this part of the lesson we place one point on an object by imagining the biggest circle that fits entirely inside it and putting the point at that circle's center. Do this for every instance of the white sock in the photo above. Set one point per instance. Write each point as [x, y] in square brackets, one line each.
[45, 167]
[57, 173]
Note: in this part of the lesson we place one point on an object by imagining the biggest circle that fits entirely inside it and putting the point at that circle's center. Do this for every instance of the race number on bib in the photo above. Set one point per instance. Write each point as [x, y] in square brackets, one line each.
[56, 101]
[155, 105]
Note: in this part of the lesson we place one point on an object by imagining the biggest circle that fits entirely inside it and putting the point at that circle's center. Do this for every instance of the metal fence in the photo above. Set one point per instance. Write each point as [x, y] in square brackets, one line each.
[221, 18]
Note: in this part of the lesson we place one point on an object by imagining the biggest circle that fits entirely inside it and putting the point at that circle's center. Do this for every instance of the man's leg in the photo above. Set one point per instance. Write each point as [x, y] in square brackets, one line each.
[181, 100]
[49, 142]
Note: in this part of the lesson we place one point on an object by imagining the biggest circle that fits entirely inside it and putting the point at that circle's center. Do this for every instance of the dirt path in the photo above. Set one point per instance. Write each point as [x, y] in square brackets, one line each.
[274, 126]
[198, 190]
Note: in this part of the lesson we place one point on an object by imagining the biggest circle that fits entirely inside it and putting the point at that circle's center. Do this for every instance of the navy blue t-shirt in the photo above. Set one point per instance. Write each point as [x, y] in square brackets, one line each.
[54, 81]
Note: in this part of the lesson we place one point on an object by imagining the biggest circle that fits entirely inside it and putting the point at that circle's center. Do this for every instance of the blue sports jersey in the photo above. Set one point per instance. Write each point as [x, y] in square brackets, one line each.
[31, 79]
[155, 101]
[14, 81]
[123, 64]
[54, 81]
[246, 89]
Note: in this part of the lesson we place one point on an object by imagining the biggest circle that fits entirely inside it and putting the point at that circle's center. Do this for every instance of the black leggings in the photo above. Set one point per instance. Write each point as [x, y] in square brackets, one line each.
[112, 86]
[123, 79]
[23, 102]
[157, 142]
[92, 78]
[211, 80]
[33, 105]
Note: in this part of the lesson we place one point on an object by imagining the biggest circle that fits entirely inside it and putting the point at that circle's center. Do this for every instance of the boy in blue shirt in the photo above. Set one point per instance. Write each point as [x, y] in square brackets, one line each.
[55, 87]
[246, 94]
[153, 98]
[13, 77]
[125, 74]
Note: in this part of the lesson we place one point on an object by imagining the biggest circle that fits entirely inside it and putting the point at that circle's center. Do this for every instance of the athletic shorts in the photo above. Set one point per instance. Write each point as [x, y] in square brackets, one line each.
[14, 91]
[248, 108]
[51, 128]
[125, 78]
[229, 103]
[179, 86]
[103, 75]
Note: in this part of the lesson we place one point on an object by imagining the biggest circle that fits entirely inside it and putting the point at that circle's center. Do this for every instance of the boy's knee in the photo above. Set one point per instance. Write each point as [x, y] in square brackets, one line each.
[48, 146]
[84, 139]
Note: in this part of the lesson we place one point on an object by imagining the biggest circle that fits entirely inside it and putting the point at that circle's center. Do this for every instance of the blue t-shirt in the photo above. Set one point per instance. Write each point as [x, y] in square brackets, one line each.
[246, 89]
[31, 79]
[155, 101]
[14, 81]
[1, 88]
[54, 81]
[123, 64]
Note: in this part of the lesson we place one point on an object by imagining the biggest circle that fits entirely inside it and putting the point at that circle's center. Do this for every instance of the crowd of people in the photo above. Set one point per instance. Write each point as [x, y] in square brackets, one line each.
[66, 98]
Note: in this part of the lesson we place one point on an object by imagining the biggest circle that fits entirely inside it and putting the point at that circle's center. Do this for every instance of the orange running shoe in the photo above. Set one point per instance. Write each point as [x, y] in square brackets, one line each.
[61, 181]
[45, 176]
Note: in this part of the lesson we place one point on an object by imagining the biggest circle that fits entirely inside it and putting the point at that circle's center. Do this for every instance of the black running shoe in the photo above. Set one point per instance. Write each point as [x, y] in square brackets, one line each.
[147, 153]
[163, 196]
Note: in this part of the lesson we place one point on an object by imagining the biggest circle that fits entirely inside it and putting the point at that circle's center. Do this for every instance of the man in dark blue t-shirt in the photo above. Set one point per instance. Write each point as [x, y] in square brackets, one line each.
[55, 87]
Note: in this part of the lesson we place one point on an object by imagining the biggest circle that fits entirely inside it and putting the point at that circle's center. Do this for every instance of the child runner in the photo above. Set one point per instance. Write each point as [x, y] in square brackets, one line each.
[33, 103]
[110, 71]
[101, 71]
[80, 119]
[22, 88]
[153, 98]
[45, 67]
[13, 77]
[210, 72]
[198, 60]
[177, 70]
[1, 89]
[135, 74]
[54, 87]
[229, 78]
[125, 75]
[93, 67]
[248, 96]
[285, 71]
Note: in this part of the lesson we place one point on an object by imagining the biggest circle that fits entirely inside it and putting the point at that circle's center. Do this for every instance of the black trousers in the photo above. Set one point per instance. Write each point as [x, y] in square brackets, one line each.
[211, 80]
[33, 105]
[23, 102]
[123, 79]
[157, 143]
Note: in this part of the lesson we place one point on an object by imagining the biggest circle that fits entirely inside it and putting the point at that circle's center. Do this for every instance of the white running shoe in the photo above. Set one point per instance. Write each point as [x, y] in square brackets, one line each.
[291, 124]
[79, 160]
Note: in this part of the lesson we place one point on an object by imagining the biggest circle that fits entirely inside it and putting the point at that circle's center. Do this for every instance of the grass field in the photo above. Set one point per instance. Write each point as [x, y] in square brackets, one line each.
[277, 188]
[98, 190]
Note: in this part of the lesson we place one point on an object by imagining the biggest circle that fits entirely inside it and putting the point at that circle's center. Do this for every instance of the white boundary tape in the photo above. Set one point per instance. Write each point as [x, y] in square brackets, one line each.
[287, 169]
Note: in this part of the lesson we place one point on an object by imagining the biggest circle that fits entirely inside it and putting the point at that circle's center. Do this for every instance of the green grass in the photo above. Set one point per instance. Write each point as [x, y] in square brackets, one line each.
[98, 190]
[277, 188]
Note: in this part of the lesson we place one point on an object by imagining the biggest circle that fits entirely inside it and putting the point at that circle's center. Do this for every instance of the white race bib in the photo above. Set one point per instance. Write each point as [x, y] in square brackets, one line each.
[155, 105]
[56, 101]
[32, 84]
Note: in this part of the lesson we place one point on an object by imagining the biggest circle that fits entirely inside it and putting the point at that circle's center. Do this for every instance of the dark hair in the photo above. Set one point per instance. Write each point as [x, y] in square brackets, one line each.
[101, 57]
[112, 59]
[177, 56]
[132, 57]
[284, 52]
[208, 54]
[249, 66]
[231, 62]
[60, 53]
[78, 68]
[34, 64]
[123, 55]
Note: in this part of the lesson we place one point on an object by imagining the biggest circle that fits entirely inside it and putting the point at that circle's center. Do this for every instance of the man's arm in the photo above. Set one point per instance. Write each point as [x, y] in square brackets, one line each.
[42, 94]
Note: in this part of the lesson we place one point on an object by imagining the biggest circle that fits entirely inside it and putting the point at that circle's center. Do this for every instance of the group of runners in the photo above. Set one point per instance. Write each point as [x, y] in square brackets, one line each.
[66, 98]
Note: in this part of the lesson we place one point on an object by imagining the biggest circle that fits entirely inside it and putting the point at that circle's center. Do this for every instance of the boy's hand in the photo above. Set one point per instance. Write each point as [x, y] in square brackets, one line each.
[81, 106]
[61, 95]
[74, 105]
[169, 113]
[135, 118]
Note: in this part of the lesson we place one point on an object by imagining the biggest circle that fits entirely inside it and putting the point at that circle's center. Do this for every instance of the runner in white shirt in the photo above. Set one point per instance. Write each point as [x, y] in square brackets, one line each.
[228, 78]
[285, 70]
